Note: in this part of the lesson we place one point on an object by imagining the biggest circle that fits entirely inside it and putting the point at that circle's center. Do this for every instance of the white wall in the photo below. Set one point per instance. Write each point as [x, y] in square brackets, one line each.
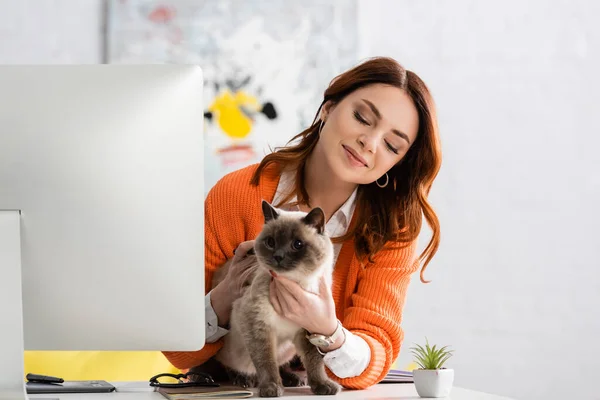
[515, 286]
[51, 31]
[516, 283]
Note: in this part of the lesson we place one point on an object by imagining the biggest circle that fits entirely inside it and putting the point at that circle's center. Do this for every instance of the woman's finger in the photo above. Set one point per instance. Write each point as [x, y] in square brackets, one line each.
[244, 263]
[291, 288]
[324, 289]
[284, 299]
[274, 300]
[243, 248]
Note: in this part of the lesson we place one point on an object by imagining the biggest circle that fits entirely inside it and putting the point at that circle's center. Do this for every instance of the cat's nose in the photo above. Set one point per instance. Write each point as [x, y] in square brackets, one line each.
[278, 256]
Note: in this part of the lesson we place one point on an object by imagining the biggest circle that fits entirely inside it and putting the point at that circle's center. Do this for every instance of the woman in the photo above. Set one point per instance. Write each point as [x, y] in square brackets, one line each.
[368, 160]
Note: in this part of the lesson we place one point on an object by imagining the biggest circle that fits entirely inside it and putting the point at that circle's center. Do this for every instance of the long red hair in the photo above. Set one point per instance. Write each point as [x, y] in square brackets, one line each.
[392, 214]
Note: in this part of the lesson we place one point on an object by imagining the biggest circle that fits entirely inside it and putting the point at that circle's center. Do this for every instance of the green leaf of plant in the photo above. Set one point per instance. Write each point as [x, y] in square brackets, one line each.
[421, 349]
[443, 360]
[422, 360]
[437, 355]
[429, 357]
[431, 360]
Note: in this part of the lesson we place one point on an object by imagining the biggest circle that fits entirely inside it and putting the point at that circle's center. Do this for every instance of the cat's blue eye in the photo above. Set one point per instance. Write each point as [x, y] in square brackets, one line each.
[297, 244]
[270, 242]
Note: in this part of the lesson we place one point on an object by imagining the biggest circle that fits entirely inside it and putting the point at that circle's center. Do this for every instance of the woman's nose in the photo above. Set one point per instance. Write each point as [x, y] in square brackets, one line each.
[367, 143]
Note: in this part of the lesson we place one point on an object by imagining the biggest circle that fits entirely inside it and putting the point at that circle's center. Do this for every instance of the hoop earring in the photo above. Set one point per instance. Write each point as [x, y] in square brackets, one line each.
[387, 180]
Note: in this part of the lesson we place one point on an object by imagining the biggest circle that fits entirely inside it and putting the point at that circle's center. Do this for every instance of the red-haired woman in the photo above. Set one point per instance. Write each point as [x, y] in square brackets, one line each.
[368, 161]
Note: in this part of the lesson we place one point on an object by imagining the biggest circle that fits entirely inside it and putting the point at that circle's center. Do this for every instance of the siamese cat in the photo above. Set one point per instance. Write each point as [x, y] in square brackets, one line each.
[260, 343]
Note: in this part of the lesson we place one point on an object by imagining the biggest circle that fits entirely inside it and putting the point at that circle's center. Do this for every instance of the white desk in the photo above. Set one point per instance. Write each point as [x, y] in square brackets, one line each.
[402, 391]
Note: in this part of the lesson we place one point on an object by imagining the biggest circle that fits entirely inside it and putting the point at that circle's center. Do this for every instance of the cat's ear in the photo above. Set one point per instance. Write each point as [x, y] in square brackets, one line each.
[316, 218]
[268, 211]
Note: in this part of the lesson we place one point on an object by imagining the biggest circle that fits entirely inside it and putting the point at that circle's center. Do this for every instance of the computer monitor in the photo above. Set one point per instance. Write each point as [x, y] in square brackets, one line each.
[101, 210]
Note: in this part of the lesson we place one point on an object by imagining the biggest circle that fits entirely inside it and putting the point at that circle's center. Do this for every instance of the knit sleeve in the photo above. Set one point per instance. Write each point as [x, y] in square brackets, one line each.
[375, 313]
[216, 247]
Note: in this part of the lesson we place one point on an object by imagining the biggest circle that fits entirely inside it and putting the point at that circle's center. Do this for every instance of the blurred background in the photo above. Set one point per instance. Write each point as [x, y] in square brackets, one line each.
[515, 285]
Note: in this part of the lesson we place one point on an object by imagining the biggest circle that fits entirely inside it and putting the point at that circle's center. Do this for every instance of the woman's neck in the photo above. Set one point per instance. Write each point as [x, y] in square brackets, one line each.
[324, 189]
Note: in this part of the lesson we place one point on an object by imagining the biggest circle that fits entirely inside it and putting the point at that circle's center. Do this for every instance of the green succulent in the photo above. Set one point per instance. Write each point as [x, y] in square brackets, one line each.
[430, 357]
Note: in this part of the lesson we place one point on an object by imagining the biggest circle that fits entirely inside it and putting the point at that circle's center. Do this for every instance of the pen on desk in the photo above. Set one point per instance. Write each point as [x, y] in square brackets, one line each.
[43, 378]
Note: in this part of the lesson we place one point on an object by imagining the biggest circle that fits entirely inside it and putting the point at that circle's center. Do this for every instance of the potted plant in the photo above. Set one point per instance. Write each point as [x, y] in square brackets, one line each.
[432, 379]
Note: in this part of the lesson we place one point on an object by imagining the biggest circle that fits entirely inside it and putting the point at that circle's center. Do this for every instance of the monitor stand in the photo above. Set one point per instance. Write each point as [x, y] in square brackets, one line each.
[12, 382]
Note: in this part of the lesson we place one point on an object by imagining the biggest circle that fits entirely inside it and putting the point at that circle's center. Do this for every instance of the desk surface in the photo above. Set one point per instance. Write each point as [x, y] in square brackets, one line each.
[402, 391]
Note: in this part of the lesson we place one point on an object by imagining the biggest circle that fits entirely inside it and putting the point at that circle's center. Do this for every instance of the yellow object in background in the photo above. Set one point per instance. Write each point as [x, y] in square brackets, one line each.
[98, 365]
[229, 113]
[407, 367]
[411, 367]
[111, 366]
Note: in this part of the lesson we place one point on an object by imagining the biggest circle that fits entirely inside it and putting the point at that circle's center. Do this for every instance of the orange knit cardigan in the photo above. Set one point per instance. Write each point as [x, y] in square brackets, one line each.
[369, 299]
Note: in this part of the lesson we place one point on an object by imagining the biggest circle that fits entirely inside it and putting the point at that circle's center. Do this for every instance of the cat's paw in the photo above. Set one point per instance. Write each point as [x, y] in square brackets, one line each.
[325, 388]
[244, 381]
[289, 379]
[270, 389]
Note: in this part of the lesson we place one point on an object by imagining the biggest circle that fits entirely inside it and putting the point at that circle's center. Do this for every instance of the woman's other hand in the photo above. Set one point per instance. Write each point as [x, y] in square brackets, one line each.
[315, 312]
[230, 288]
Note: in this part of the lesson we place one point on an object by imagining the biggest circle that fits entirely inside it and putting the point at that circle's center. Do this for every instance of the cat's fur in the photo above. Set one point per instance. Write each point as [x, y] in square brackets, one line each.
[260, 343]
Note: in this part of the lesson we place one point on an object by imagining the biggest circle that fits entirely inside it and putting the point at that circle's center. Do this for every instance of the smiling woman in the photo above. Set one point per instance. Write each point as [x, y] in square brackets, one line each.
[372, 127]
[375, 132]
[368, 161]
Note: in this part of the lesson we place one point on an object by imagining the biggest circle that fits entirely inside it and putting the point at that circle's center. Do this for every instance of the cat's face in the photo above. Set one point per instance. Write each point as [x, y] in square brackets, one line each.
[293, 242]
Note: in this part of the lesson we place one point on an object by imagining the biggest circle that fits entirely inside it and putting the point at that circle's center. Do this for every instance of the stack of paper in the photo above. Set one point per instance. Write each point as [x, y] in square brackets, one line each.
[398, 376]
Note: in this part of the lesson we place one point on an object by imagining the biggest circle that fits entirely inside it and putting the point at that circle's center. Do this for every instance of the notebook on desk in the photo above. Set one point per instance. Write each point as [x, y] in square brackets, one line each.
[69, 387]
[222, 392]
[398, 376]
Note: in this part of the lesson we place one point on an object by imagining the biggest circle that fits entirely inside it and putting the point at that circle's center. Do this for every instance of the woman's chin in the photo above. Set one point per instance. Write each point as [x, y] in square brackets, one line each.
[351, 175]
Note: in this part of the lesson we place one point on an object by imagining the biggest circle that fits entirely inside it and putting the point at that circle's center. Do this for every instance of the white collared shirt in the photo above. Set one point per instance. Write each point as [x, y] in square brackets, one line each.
[353, 357]
[337, 224]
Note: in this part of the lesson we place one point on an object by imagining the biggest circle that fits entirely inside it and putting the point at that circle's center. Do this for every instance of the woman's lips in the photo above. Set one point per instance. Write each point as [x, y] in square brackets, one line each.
[354, 158]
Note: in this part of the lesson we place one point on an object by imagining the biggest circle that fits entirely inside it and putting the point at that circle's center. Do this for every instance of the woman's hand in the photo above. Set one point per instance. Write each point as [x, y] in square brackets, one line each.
[241, 262]
[230, 288]
[315, 312]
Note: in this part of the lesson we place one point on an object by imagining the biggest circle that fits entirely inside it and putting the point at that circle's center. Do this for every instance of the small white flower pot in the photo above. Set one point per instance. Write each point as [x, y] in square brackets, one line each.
[433, 382]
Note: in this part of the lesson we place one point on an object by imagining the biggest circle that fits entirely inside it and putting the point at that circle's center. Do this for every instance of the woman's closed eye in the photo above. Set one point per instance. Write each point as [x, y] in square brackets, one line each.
[360, 118]
[391, 147]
